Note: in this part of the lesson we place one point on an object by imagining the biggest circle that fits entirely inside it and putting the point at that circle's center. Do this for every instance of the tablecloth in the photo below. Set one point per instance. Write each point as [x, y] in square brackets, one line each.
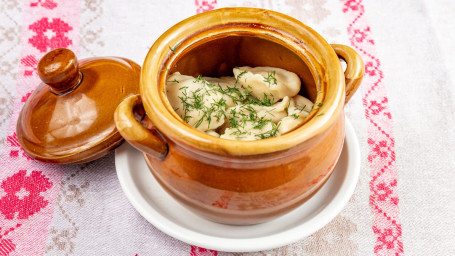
[403, 115]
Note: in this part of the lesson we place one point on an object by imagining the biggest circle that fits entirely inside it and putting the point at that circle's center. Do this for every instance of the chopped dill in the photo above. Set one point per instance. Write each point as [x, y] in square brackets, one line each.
[261, 123]
[296, 115]
[239, 76]
[209, 103]
[233, 122]
[175, 48]
[198, 79]
[271, 133]
[271, 79]
[199, 122]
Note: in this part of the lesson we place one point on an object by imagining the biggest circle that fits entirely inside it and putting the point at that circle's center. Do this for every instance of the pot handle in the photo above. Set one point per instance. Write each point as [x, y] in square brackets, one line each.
[355, 68]
[143, 136]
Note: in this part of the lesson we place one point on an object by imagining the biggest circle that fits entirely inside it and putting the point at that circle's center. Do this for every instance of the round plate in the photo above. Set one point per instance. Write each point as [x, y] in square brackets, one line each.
[165, 213]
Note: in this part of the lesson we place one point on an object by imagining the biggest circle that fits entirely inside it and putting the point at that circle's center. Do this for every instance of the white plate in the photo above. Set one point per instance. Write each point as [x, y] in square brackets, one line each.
[161, 210]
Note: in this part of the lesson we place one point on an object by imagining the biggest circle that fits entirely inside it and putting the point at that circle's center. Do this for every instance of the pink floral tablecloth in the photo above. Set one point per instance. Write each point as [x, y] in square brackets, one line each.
[403, 114]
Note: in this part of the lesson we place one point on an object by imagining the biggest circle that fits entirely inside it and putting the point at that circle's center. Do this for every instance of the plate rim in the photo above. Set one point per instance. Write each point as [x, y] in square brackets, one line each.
[167, 226]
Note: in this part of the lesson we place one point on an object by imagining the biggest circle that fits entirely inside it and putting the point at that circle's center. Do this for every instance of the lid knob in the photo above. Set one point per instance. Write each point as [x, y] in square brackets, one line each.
[59, 69]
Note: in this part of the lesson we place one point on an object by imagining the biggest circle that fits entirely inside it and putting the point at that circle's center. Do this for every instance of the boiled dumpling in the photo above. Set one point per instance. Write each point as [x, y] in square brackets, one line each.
[276, 112]
[251, 130]
[231, 92]
[298, 110]
[188, 96]
[257, 103]
[269, 81]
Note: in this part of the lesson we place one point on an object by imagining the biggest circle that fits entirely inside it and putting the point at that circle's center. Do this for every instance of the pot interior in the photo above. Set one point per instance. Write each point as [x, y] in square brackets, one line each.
[216, 56]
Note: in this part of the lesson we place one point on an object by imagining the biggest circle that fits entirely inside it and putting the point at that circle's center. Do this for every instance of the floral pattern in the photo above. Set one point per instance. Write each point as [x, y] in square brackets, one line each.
[48, 4]
[42, 42]
[387, 239]
[23, 198]
[381, 157]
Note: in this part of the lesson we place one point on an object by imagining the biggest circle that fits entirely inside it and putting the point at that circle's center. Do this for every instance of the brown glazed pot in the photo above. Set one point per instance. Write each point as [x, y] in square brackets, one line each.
[68, 117]
[242, 182]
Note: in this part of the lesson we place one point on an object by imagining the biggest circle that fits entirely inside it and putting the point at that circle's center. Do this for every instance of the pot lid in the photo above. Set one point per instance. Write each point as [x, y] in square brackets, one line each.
[69, 118]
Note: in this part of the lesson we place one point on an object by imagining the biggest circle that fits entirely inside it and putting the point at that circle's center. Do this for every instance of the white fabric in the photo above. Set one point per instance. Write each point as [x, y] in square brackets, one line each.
[415, 43]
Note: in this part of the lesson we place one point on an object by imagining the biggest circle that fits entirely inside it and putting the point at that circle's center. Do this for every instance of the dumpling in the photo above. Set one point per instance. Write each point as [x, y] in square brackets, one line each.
[258, 103]
[232, 92]
[190, 100]
[268, 80]
[251, 130]
[177, 87]
[299, 104]
[256, 112]
[298, 110]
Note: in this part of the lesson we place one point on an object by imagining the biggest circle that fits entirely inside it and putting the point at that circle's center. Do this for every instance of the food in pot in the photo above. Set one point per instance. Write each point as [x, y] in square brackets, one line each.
[256, 103]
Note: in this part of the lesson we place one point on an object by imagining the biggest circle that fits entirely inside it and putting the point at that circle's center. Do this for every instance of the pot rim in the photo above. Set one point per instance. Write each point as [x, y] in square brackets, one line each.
[318, 53]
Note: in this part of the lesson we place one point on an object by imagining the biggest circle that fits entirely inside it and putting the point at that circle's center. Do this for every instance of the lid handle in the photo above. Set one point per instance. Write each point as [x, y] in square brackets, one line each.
[59, 69]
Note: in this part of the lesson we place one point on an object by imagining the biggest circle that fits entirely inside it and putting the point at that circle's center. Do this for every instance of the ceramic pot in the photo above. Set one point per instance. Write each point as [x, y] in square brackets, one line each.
[242, 182]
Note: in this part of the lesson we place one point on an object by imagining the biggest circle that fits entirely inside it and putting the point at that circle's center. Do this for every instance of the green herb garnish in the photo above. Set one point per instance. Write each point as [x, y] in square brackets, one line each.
[239, 76]
[271, 79]
[164, 70]
[175, 48]
[271, 133]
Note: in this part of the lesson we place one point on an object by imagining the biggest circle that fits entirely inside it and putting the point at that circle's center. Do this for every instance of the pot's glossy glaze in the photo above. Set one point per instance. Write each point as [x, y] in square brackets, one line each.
[242, 182]
[68, 118]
